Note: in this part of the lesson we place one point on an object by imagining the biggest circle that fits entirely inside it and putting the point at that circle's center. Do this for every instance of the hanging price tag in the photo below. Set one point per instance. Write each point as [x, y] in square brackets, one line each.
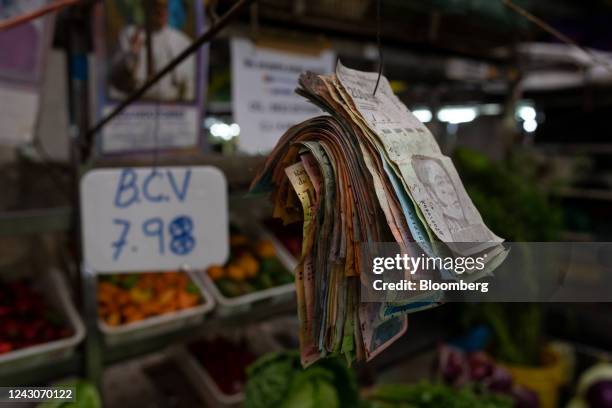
[154, 219]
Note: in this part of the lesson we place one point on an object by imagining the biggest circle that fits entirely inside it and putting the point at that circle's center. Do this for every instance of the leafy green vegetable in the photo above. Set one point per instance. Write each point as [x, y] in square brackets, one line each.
[129, 281]
[278, 380]
[86, 396]
[269, 379]
[509, 196]
[312, 388]
[428, 395]
[518, 334]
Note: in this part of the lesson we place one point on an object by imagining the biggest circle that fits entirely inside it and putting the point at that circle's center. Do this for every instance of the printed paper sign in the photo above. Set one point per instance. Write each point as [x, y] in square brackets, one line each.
[154, 219]
[168, 115]
[264, 101]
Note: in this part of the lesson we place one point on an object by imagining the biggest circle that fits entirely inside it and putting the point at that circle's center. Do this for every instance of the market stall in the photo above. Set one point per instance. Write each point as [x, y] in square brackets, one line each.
[299, 204]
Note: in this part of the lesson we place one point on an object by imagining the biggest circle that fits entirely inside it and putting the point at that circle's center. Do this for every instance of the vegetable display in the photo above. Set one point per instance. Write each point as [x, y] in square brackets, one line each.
[26, 319]
[252, 266]
[288, 235]
[225, 360]
[127, 298]
[594, 388]
[429, 395]
[87, 396]
[500, 189]
[278, 380]
[459, 369]
[599, 395]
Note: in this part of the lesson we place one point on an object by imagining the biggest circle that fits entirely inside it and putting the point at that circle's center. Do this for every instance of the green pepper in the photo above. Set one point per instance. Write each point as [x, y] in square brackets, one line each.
[129, 281]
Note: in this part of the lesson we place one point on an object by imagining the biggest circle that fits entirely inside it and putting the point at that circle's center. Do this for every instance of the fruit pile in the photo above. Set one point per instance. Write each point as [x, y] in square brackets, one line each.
[225, 361]
[127, 298]
[252, 267]
[26, 319]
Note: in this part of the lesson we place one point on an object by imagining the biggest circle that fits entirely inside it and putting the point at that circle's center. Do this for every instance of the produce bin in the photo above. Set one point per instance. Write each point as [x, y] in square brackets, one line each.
[14, 254]
[230, 305]
[545, 380]
[164, 323]
[204, 384]
[283, 254]
[273, 295]
[283, 332]
[52, 285]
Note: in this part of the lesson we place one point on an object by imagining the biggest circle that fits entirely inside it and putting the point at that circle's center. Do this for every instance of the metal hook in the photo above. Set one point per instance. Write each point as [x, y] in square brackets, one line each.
[378, 44]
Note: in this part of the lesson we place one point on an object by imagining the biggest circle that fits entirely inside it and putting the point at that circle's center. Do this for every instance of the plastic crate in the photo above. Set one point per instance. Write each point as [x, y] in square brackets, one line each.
[275, 295]
[283, 331]
[241, 304]
[204, 384]
[153, 326]
[14, 254]
[54, 288]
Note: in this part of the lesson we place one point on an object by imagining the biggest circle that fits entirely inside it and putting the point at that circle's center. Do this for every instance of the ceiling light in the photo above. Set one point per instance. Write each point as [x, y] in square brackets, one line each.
[424, 115]
[457, 115]
[530, 125]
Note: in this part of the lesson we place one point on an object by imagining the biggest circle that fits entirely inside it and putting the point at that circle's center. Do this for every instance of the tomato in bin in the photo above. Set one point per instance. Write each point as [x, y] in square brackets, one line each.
[127, 298]
[26, 319]
[225, 361]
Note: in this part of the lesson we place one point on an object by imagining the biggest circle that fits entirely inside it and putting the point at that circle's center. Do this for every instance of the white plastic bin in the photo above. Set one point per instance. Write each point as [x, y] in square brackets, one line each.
[283, 332]
[203, 383]
[275, 295]
[52, 285]
[240, 304]
[152, 326]
[282, 253]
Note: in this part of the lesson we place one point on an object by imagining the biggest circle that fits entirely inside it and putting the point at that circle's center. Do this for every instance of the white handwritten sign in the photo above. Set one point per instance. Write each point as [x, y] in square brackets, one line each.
[154, 219]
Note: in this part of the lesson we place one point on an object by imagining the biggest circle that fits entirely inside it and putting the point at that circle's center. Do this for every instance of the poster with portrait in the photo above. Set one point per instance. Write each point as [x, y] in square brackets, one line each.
[168, 115]
[23, 51]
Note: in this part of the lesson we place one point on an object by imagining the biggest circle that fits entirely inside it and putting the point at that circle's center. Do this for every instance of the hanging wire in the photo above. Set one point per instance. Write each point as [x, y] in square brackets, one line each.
[556, 33]
[378, 44]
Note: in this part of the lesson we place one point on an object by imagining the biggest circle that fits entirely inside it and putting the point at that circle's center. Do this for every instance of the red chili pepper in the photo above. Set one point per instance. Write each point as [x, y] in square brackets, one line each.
[5, 347]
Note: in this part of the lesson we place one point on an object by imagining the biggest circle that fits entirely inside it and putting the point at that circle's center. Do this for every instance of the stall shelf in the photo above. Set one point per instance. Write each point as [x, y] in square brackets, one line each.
[136, 347]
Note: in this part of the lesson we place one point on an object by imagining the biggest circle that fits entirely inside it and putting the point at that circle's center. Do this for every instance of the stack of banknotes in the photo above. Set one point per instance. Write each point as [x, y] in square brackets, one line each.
[369, 171]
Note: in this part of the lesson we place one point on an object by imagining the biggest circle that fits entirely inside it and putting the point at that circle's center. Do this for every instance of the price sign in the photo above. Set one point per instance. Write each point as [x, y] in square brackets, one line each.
[154, 219]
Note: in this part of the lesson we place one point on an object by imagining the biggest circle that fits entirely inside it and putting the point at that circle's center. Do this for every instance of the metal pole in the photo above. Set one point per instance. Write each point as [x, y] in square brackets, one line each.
[94, 364]
[78, 109]
[78, 106]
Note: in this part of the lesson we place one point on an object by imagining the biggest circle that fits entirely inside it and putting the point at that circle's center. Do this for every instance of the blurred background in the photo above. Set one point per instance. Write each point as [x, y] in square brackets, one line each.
[518, 93]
